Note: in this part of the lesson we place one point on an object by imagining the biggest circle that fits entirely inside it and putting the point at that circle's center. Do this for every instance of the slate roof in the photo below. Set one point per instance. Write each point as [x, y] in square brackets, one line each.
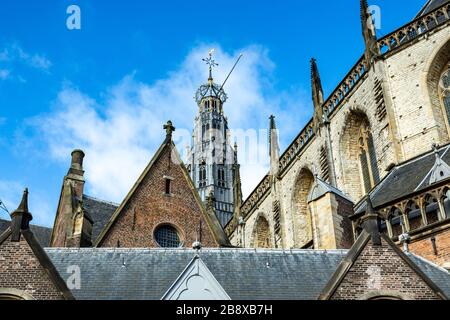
[138, 274]
[430, 6]
[320, 188]
[438, 275]
[42, 234]
[405, 179]
[100, 212]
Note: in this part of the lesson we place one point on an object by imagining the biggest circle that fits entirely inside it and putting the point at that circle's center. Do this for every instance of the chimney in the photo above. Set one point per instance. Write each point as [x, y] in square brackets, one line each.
[76, 166]
[20, 218]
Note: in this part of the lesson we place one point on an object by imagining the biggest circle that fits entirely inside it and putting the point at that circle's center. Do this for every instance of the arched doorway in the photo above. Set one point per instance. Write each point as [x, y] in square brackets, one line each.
[359, 159]
[14, 294]
[301, 215]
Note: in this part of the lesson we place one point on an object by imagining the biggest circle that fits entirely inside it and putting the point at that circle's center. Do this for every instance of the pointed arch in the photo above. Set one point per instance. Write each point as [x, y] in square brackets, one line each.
[437, 89]
[301, 216]
[358, 154]
[262, 237]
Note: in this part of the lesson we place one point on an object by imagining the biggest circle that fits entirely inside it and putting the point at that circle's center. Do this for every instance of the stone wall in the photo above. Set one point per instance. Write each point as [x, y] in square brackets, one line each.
[407, 128]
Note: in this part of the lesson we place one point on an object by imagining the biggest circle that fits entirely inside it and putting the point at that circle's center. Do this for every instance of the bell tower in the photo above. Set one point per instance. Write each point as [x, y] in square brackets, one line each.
[211, 156]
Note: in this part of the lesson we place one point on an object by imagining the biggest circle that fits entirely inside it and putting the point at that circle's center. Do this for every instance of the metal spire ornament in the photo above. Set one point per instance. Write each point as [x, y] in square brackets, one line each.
[211, 63]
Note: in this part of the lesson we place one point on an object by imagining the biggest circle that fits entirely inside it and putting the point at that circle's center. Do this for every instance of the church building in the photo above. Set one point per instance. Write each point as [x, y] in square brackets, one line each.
[356, 208]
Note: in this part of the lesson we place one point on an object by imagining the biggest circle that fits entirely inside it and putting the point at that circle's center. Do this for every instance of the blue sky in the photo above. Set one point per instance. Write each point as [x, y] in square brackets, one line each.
[108, 87]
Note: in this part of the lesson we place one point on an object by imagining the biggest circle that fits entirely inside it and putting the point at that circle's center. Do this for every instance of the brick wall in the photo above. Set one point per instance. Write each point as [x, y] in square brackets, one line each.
[380, 271]
[150, 207]
[344, 232]
[424, 248]
[21, 270]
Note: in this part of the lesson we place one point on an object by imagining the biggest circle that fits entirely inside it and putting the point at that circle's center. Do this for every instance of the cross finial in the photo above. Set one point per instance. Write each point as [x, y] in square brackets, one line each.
[211, 63]
[169, 130]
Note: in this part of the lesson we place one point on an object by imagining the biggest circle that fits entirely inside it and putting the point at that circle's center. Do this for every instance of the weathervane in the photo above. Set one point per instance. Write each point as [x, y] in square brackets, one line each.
[211, 63]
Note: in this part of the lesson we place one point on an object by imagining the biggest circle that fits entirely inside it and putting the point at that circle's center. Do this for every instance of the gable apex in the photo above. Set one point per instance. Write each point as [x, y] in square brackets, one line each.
[196, 282]
[168, 158]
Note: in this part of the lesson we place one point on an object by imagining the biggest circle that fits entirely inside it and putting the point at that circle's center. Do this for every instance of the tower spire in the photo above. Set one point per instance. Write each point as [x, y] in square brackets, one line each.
[274, 147]
[369, 33]
[317, 93]
[237, 186]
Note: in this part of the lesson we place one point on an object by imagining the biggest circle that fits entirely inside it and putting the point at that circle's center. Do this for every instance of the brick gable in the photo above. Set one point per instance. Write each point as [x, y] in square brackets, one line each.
[21, 271]
[147, 206]
[373, 271]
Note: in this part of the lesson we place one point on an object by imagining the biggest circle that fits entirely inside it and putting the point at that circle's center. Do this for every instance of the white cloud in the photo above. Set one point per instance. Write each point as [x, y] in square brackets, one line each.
[121, 132]
[11, 194]
[4, 74]
[12, 55]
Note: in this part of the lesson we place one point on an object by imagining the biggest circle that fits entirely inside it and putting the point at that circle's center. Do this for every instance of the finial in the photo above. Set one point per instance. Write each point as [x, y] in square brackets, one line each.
[272, 122]
[23, 207]
[21, 218]
[169, 130]
[364, 8]
[210, 200]
[211, 63]
[197, 245]
[370, 222]
[405, 239]
[435, 147]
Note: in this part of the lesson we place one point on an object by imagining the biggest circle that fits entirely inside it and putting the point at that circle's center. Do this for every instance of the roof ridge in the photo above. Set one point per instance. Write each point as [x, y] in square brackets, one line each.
[203, 250]
[102, 201]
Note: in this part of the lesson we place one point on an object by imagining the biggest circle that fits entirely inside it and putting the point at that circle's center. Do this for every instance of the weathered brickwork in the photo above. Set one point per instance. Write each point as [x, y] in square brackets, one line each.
[344, 233]
[439, 253]
[20, 270]
[380, 271]
[150, 207]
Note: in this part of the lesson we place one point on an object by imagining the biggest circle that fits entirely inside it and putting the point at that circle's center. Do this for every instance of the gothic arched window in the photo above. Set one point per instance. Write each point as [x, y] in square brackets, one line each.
[368, 160]
[202, 175]
[262, 237]
[444, 90]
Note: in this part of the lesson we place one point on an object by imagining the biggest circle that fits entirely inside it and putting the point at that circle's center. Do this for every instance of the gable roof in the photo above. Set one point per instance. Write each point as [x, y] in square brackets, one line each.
[320, 188]
[43, 259]
[244, 274]
[352, 256]
[211, 220]
[405, 179]
[196, 282]
[100, 212]
[438, 275]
